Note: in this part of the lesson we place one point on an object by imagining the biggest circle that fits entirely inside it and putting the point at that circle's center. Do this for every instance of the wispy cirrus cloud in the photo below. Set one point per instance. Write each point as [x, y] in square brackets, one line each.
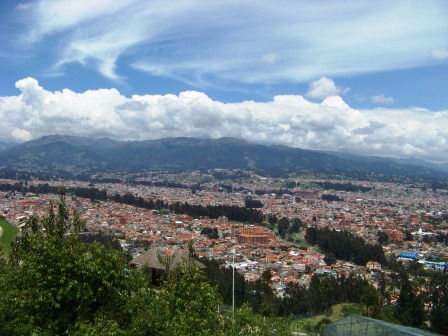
[23, 6]
[440, 54]
[382, 99]
[205, 43]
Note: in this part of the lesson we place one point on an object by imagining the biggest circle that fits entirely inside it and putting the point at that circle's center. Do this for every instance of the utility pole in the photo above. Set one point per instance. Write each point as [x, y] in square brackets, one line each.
[233, 283]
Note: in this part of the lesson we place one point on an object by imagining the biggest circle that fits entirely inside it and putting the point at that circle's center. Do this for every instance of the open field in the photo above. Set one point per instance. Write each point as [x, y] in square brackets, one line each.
[7, 236]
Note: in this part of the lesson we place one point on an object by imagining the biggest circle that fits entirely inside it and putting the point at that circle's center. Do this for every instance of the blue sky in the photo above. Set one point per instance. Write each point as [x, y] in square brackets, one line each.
[362, 76]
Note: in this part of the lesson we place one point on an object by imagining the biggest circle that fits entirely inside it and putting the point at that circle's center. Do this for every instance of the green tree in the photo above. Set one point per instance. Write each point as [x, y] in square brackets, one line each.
[438, 297]
[408, 235]
[283, 226]
[249, 202]
[296, 225]
[382, 237]
[370, 299]
[272, 219]
[245, 322]
[410, 308]
[312, 235]
[329, 258]
[260, 296]
[439, 319]
[185, 304]
[54, 282]
[222, 278]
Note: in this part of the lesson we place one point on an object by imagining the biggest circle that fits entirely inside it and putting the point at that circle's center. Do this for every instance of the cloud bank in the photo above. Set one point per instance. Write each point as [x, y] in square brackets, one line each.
[213, 42]
[290, 120]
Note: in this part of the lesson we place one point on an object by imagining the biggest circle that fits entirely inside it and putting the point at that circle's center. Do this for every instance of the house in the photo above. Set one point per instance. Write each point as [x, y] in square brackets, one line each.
[373, 266]
[157, 261]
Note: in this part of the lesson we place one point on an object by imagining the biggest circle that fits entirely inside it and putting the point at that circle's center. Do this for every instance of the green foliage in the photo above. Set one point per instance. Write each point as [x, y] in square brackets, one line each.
[261, 298]
[283, 226]
[185, 304]
[382, 237]
[348, 309]
[101, 326]
[410, 307]
[313, 325]
[287, 226]
[296, 225]
[245, 322]
[222, 279]
[439, 320]
[323, 292]
[331, 198]
[249, 202]
[329, 258]
[345, 246]
[312, 235]
[8, 235]
[371, 300]
[211, 233]
[438, 296]
[272, 219]
[54, 281]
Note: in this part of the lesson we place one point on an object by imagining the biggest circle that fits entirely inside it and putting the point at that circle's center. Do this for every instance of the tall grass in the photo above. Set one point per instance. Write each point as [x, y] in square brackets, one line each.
[8, 236]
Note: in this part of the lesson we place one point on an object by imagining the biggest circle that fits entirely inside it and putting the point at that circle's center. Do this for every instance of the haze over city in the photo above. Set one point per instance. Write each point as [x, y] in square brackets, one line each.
[361, 77]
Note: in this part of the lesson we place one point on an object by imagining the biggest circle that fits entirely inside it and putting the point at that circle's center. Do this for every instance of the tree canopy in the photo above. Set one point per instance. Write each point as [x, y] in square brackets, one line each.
[345, 246]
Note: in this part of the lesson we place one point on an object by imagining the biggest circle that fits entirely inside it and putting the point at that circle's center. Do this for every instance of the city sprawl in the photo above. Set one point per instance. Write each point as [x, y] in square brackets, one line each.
[408, 220]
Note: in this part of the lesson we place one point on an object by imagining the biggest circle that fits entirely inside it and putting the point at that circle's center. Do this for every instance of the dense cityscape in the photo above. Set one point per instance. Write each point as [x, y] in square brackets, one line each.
[408, 221]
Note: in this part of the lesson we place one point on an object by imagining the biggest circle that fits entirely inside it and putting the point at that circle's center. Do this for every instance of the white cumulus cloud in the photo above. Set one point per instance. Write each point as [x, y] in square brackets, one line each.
[324, 87]
[290, 120]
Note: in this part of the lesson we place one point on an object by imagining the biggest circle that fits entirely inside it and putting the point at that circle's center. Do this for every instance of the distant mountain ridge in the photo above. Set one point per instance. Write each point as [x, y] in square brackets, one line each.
[87, 154]
[5, 145]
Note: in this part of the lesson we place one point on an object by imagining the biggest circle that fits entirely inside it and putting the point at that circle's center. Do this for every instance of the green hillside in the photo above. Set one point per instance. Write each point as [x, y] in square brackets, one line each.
[8, 235]
[67, 153]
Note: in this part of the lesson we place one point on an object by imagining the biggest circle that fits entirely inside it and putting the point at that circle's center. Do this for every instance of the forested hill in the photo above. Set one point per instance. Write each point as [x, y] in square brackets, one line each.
[59, 152]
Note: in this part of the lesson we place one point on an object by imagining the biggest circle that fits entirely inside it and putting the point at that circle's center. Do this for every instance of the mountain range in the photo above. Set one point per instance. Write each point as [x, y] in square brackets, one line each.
[61, 152]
